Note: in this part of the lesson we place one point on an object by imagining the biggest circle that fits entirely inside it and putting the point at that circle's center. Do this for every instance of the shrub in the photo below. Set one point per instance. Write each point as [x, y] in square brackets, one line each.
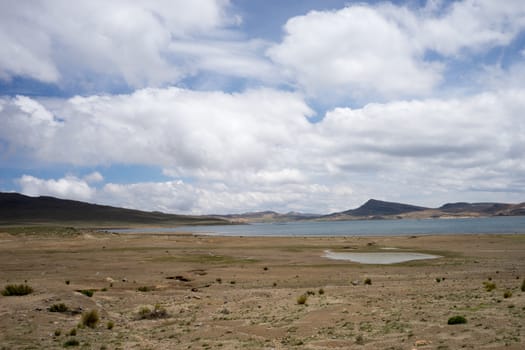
[73, 332]
[489, 286]
[438, 280]
[145, 289]
[507, 294]
[58, 308]
[301, 299]
[321, 291]
[90, 318]
[523, 286]
[368, 281]
[87, 292]
[68, 282]
[145, 313]
[58, 332]
[71, 342]
[457, 320]
[359, 340]
[110, 325]
[16, 290]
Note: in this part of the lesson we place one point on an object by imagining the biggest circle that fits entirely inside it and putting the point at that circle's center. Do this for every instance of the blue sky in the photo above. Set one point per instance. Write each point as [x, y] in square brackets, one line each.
[217, 106]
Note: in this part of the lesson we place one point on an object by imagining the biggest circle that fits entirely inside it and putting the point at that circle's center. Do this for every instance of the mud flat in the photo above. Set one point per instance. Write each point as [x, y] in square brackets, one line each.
[203, 292]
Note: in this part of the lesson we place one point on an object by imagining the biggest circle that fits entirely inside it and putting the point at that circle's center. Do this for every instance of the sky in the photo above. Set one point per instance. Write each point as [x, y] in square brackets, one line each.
[217, 106]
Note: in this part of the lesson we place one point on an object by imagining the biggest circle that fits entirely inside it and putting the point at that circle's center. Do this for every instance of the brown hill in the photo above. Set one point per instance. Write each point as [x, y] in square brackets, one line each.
[16, 209]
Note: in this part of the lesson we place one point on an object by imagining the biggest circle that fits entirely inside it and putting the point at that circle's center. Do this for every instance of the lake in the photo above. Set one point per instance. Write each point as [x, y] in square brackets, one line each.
[507, 224]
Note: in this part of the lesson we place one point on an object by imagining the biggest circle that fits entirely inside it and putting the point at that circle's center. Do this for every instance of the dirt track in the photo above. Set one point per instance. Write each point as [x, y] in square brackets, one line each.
[241, 293]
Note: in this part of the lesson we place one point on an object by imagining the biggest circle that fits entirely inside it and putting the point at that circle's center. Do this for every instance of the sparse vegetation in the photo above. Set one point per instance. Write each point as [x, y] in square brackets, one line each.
[301, 299]
[87, 292]
[489, 286]
[71, 342]
[359, 340]
[145, 313]
[16, 290]
[90, 319]
[457, 320]
[58, 308]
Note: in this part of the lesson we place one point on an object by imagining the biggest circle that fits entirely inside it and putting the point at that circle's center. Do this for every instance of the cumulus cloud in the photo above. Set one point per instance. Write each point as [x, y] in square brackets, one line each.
[141, 43]
[442, 145]
[257, 150]
[69, 187]
[168, 127]
[355, 50]
[471, 25]
[94, 177]
[382, 52]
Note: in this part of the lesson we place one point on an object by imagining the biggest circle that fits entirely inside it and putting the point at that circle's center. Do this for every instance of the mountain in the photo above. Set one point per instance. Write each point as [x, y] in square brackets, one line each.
[16, 209]
[488, 208]
[20, 209]
[375, 207]
[266, 216]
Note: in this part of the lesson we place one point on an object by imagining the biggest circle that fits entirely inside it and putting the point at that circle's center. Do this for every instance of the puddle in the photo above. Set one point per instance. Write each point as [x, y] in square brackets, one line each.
[379, 257]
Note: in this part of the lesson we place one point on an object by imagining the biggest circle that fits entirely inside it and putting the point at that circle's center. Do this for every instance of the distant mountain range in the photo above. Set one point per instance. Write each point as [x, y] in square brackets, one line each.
[376, 209]
[19, 209]
[16, 209]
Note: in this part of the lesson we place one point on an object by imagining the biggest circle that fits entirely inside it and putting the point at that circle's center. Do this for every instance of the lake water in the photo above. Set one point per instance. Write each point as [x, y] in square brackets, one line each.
[509, 224]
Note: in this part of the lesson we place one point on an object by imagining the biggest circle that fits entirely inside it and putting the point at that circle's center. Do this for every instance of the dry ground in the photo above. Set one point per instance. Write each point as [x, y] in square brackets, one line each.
[241, 293]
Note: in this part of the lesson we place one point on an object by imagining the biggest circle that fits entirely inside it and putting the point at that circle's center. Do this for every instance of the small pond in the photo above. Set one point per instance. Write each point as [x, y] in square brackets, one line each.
[380, 258]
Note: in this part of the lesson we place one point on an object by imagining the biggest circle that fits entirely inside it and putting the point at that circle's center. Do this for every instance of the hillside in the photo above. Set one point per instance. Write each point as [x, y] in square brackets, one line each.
[266, 216]
[16, 209]
[375, 209]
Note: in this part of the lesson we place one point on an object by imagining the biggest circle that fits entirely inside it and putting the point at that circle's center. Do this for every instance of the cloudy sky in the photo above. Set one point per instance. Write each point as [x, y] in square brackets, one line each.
[217, 106]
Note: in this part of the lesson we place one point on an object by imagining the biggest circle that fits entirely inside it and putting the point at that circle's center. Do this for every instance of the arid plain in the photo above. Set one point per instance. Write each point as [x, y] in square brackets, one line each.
[202, 292]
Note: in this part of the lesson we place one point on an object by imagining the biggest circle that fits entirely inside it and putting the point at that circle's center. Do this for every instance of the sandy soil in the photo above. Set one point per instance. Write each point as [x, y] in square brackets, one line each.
[241, 293]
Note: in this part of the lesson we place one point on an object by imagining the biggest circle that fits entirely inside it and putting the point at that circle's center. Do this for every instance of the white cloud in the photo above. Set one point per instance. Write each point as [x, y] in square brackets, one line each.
[443, 145]
[174, 128]
[256, 150]
[355, 50]
[69, 187]
[142, 43]
[379, 52]
[93, 177]
[472, 25]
